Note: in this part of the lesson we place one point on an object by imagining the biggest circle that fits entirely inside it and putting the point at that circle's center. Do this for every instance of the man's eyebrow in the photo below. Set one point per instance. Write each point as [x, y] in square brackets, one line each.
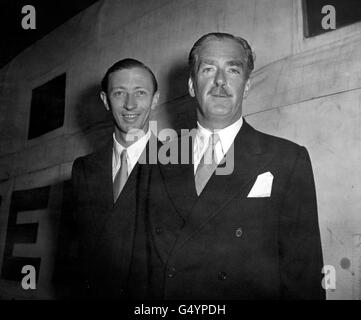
[125, 88]
[140, 87]
[117, 87]
[208, 61]
[237, 63]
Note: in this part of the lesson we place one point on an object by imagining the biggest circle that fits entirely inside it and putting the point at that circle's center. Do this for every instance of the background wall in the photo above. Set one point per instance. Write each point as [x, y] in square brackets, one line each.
[306, 90]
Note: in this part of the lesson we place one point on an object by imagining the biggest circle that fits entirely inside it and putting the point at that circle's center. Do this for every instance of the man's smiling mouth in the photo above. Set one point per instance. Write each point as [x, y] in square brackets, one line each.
[220, 95]
[130, 116]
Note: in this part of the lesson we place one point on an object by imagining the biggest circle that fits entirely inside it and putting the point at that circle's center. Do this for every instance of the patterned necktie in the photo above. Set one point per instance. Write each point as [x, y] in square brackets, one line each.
[207, 165]
[121, 176]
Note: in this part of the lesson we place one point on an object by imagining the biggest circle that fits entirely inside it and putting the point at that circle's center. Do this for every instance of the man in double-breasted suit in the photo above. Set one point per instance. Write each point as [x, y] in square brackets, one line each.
[107, 188]
[249, 231]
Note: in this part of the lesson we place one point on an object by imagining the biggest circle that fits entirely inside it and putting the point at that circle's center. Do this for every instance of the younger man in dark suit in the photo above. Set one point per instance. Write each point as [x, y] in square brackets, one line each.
[107, 184]
[250, 234]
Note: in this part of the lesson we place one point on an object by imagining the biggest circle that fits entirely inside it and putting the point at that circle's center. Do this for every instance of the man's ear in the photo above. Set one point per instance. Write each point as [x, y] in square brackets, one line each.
[190, 87]
[155, 100]
[104, 98]
[247, 87]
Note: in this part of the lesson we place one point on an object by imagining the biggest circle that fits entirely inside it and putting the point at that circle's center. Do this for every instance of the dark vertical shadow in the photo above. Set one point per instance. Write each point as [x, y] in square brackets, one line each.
[180, 107]
[90, 113]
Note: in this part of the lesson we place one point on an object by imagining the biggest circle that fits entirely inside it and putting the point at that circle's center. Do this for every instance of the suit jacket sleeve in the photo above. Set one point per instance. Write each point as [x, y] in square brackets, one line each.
[301, 259]
[76, 266]
[66, 270]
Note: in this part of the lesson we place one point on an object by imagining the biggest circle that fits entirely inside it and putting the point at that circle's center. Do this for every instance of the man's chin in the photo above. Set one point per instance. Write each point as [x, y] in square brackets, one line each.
[127, 128]
[130, 130]
[220, 112]
[219, 120]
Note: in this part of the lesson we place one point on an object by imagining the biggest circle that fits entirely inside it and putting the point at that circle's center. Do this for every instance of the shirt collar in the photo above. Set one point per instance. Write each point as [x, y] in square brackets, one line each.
[133, 151]
[226, 135]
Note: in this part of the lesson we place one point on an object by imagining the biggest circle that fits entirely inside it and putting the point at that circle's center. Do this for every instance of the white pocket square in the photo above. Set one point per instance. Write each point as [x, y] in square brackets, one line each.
[262, 187]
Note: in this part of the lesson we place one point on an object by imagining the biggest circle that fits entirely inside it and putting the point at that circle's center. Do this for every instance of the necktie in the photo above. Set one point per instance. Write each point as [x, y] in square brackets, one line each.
[207, 165]
[121, 176]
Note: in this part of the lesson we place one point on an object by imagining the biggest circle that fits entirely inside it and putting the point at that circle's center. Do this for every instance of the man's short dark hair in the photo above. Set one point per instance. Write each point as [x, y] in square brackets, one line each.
[127, 63]
[193, 54]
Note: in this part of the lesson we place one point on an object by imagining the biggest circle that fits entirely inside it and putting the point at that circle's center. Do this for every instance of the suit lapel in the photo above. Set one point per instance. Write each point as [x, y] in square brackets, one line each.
[102, 172]
[249, 161]
[130, 188]
[179, 182]
[100, 182]
[121, 222]
[119, 228]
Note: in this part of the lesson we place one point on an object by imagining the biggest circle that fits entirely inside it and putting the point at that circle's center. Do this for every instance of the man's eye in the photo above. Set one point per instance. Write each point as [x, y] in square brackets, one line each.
[119, 93]
[207, 69]
[141, 93]
[234, 71]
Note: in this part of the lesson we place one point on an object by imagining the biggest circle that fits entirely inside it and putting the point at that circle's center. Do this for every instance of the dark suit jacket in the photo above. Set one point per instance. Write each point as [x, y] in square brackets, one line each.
[224, 245]
[104, 232]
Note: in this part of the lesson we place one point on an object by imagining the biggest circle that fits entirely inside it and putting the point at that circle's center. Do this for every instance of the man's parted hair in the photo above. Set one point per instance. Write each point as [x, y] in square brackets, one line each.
[127, 63]
[193, 54]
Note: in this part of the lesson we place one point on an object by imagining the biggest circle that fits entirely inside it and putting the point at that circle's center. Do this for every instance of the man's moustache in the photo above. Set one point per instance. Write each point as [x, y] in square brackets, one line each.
[219, 91]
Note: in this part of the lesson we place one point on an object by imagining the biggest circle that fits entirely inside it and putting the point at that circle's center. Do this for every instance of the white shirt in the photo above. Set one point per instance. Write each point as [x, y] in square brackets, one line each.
[133, 153]
[226, 138]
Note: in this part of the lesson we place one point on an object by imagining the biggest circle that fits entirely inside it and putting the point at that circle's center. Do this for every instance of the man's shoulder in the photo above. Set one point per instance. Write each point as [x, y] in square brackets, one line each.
[277, 144]
[95, 157]
[286, 155]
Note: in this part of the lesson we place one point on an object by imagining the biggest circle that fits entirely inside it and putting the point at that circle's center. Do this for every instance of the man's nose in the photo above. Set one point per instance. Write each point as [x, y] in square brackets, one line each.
[130, 102]
[220, 78]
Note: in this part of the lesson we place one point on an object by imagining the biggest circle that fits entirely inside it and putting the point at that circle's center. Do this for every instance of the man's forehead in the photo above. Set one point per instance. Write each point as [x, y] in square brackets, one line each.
[134, 72]
[224, 49]
[131, 75]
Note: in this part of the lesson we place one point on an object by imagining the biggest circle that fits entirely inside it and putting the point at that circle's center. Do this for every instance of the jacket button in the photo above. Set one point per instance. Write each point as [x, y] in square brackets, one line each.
[158, 230]
[239, 232]
[171, 272]
[222, 275]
